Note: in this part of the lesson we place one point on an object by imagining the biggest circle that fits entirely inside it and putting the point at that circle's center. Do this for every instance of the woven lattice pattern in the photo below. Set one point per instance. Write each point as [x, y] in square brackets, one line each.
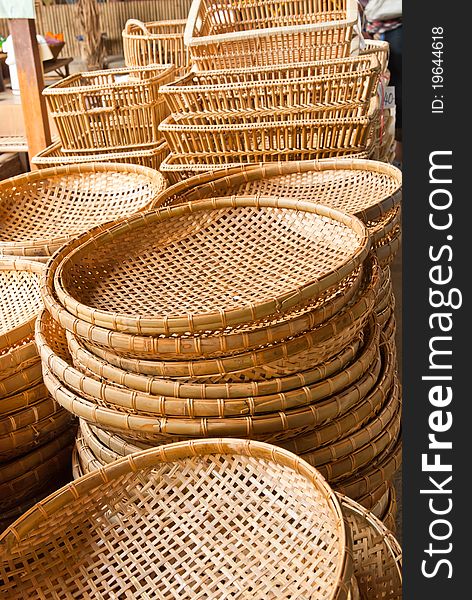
[210, 260]
[202, 527]
[52, 205]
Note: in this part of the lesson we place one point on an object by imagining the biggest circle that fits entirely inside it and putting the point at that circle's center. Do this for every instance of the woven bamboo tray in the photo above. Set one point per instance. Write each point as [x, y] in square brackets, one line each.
[268, 32]
[21, 441]
[22, 465]
[381, 507]
[158, 42]
[273, 329]
[387, 248]
[28, 416]
[177, 168]
[213, 230]
[14, 357]
[370, 190]
[53, 156]
[376, 553]
[42, 210]
[281, 89]
[23, 400]
[326, 137]
[115, 109]
[21, 381]
[37, 478]
[210, 472]
[20, 301]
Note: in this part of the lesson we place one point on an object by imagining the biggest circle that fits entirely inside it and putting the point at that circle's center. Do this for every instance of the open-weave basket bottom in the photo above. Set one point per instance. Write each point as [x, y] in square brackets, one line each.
[192, 528]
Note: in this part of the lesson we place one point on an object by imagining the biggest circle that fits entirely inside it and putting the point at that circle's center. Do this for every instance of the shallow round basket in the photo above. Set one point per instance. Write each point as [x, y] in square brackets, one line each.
[376, 552]
[20, 302]
[187, 518]
[365, 188]
[23, 400]
[210, 264]
[42, 210]
[20, 355]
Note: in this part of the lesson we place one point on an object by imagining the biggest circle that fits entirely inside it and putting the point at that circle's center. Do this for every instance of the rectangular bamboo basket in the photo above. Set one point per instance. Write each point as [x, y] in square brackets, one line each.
[326, 136]
[340, 83]
[378, 48]
[265, 32]
[53, 156]
[158, 42]
[177, 167]
[115, 109]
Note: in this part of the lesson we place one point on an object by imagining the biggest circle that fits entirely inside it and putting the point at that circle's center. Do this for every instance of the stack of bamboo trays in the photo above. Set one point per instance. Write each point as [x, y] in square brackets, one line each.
[279, 112]
[196, 518]
[115, 112]
[370, 190]
[36, 433]
[157, 42]
[242, 316]
[44, 209]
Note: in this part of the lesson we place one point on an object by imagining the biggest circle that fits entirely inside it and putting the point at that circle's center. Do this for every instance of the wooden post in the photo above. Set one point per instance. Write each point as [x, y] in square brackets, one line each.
[31, 82]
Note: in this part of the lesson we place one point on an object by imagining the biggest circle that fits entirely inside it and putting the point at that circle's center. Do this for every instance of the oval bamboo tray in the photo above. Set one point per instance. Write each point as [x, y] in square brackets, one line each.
[53, 156]
[29, 484]
[189, 394]
[28, 415]
[76, 468]
[376, 553]
[157, 42]
[20, 301]
[211, 230]
[33, 459]
[210, 472]
[23, 400]
[21, 441]
[250, 336]
[387, 248]
[42, 210]
[365, 188]
[21, 381]
[14, 357]
[372, 497]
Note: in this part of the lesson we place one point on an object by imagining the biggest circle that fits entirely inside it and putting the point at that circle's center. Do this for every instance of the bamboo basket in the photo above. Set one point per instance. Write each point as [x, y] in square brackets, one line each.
[210, 472]
[115, 109]
[53, 156]
[42, 210]
[368, 189]
[14, 357]
[20, 302]
[22, 465]
[28, 415]
[223, 224]
[376, 553]
[273, 329]
[265, 32]
[157, 42]
[280, 89]
[21, 381]
[378, 48]
[23, 400]
[317, 139]
[177, 168]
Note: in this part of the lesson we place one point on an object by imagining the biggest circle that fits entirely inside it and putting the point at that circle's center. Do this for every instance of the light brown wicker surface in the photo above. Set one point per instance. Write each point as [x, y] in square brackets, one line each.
[268, 32]
[112, 109]
[40, 211]
[53, 156]
[23, 399]
[212, 290]
[365, 188]
[315, 139]
[283, 90]
[20, 301]
[157, 42]
[377, 554]
[19, 355]
[253, 498]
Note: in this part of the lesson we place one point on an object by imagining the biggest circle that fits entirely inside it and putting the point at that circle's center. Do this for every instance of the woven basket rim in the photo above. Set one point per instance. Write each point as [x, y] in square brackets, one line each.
[72, 492]
[22, 400]
[248, 173]
[129, 33]
[212, 319]
[42, 246]
[62, 87]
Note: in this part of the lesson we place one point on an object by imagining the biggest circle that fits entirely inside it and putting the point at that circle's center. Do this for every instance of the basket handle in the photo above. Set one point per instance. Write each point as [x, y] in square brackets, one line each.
[136, 23]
